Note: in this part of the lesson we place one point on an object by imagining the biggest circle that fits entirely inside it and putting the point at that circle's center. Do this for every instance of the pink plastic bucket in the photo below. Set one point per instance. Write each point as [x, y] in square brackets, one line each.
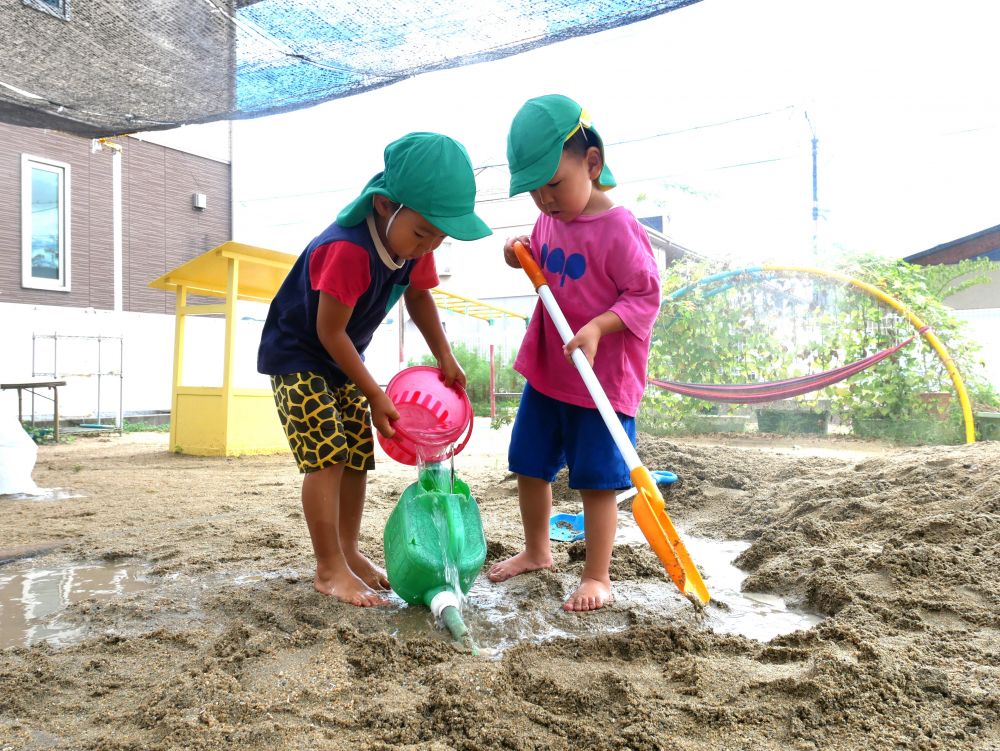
[432, 416]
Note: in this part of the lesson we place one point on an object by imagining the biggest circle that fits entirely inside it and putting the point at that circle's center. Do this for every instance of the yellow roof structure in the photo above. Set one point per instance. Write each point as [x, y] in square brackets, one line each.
[261, 272]
[468, 306]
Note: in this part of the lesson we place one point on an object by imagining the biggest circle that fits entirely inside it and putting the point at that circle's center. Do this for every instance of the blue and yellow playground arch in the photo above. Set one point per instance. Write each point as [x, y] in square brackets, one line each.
[727, 278]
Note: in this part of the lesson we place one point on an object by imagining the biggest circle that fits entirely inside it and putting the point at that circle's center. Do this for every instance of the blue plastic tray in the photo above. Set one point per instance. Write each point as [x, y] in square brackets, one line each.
[569, 527]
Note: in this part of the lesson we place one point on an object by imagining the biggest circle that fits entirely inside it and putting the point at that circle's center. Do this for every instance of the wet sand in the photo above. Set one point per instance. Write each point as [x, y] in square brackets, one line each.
[211, 636]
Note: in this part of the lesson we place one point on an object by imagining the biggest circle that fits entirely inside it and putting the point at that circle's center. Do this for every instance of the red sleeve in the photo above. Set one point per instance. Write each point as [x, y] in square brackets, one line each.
[424, 274]
[340, 269]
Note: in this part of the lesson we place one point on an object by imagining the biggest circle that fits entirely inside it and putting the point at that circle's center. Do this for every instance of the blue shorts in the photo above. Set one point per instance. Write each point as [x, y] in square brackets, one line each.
[549, 434]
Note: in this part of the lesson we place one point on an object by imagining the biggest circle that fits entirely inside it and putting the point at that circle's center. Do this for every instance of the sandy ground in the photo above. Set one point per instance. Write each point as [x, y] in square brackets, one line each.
[220, 642]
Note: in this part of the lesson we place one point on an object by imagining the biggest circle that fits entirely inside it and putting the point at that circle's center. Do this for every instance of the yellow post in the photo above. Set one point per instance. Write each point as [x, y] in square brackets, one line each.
[226, 420]
[232, 287]
[179, 321]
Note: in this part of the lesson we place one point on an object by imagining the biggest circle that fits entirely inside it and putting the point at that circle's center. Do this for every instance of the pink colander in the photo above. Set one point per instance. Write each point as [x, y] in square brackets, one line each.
[432, 416]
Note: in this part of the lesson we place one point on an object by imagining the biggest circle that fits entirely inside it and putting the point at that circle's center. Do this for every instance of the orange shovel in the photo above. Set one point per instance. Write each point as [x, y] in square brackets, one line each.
[648, 506]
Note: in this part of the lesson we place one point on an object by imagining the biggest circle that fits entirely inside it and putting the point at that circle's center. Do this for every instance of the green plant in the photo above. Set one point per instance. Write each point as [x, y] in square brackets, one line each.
[145, 427]
[504, 416]
[769, 327]
[477, 373]
[38, 433]
[710, 336]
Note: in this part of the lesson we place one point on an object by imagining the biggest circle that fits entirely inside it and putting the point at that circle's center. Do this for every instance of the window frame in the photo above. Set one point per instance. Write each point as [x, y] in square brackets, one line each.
[61, 284]
[46, 8]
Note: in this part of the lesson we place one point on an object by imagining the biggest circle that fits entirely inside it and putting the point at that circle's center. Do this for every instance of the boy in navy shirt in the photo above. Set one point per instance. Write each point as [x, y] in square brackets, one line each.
[324, 316]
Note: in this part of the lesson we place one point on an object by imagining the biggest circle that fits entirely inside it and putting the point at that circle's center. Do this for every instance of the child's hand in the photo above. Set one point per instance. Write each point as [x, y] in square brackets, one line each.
[453, 373]
[509, 256]
[383, 413]
[586, 339]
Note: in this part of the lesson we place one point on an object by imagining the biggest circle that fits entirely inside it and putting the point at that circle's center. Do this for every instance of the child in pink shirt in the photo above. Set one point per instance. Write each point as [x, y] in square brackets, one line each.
[601, 270]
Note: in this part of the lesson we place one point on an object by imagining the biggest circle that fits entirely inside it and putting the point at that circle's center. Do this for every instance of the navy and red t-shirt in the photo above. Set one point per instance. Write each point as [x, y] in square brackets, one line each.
[352, 265]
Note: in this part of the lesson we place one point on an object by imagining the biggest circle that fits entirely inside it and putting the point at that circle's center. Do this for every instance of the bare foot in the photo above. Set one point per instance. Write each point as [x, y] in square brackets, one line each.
[518, 564]
[347, 587]
[367, 571]
[590, 595]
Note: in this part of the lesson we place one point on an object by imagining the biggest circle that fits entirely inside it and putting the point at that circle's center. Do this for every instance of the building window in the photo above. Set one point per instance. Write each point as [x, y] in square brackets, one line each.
[44, 224]
[58, 8]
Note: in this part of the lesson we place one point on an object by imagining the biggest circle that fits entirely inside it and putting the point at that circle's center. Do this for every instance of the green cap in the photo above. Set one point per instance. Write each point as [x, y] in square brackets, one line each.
[536, 138]
[432, 175]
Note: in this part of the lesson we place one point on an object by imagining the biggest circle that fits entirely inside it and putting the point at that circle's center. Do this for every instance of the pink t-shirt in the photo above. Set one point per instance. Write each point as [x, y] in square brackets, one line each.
[594, 264]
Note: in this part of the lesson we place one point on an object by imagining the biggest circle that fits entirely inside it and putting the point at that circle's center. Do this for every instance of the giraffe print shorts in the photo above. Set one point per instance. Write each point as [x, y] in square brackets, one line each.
[324, 425]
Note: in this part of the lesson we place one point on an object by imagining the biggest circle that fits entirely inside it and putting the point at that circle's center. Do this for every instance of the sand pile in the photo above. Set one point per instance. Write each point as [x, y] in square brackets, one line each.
[227, 645]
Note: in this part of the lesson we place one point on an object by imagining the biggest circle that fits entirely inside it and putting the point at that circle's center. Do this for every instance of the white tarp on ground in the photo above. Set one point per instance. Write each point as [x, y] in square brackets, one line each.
[17, 458]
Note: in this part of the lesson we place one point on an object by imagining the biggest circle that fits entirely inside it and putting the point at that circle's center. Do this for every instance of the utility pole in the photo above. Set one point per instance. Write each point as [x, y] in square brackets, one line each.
[815, 187]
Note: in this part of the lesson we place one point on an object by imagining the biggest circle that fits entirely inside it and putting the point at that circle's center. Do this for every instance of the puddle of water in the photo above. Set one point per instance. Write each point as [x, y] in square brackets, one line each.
[756, 615]
[499, 616]
[498, 620]
[43, 494]
[495, 621]
[33, 601]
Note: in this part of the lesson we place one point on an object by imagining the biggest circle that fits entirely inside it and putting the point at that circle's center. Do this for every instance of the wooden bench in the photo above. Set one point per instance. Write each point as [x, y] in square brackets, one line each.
[30, 387]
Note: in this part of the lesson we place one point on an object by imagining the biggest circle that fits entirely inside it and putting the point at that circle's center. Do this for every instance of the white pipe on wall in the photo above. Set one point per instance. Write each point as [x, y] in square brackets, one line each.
[117, 275]
[116, 221]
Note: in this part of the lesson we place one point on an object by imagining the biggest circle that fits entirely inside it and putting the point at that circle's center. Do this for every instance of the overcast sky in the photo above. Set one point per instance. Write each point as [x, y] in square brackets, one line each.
[708, 114]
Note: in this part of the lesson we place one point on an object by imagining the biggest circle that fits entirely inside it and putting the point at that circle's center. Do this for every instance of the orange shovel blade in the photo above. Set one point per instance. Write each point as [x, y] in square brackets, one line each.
[651, 516]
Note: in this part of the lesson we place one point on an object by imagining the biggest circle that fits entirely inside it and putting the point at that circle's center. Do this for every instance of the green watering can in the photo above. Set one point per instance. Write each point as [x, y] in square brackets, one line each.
[434, 544]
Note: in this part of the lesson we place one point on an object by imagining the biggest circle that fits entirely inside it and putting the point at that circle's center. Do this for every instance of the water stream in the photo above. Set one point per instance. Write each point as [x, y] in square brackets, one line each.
[429, 469]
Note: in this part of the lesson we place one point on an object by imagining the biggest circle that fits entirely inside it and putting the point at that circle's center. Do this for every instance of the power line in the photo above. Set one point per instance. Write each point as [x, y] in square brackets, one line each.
[478, 170]
[666, 176]
[703, 127]
[653, 136]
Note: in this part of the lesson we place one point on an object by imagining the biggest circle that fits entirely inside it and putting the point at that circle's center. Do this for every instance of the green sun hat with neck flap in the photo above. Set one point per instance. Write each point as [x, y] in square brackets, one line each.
[536, 138]
[431, 174]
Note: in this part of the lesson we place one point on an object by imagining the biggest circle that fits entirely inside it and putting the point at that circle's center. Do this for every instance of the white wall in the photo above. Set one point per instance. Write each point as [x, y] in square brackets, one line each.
[147, 352]
[145, 357]
[979, 307]
[983, 326]
[980, 296]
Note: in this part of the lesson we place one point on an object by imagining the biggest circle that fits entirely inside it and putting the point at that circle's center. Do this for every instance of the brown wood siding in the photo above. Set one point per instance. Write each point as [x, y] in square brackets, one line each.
[960, 250]
[160, 227]
[95, 200]
[165, 230]
[194, 230]
[145, 237]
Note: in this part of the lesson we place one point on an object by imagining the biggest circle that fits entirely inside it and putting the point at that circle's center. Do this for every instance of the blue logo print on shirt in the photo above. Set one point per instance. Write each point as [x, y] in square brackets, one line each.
[574, 266]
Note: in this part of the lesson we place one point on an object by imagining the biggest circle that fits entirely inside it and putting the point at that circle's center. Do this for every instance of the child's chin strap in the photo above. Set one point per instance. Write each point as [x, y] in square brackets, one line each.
[392, 218]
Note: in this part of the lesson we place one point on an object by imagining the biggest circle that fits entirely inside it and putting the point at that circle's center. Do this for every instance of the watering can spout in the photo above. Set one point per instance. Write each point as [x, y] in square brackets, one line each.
[446, 608]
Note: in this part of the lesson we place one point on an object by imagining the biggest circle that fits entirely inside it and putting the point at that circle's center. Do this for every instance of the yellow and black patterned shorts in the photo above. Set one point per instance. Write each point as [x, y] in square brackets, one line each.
[324, 426]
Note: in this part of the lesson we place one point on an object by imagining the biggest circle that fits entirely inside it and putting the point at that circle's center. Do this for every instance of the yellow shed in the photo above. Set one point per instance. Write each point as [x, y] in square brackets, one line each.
[223, 421]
